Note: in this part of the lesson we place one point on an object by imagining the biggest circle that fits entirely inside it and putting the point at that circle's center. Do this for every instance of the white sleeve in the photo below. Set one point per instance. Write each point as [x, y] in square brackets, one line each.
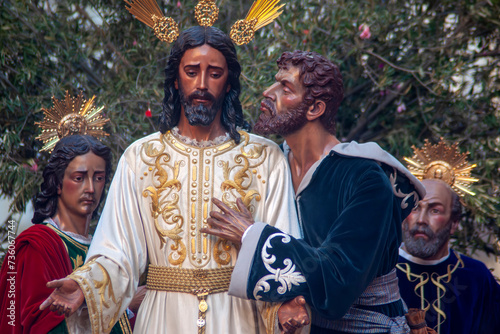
[117, 255]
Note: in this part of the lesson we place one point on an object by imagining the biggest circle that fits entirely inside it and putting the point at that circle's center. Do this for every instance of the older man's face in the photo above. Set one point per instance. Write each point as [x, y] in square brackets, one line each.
[283, 110]
[427, 230]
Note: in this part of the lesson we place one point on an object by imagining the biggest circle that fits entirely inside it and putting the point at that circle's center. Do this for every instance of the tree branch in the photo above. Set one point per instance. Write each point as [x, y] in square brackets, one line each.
[84, 13]
[362, 123]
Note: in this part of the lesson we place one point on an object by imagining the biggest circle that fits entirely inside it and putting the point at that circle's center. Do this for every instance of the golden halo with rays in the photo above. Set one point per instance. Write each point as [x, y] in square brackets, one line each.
[71, 116]
[260, 14]
[206, 12]
[442, 162]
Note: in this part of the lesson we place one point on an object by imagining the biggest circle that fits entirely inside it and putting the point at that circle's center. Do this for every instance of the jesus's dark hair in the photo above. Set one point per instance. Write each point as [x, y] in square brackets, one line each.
[232, 113]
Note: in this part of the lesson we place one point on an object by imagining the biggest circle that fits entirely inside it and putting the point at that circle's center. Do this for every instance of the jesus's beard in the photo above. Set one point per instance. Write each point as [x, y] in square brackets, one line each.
[283, 124]
[201, 114]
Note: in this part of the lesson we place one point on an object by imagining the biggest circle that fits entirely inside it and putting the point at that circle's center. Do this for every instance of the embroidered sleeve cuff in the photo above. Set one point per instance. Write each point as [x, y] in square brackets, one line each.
[239, 278]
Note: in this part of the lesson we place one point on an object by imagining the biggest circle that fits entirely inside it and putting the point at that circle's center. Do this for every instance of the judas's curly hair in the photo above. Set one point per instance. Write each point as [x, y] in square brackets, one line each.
[322, 80]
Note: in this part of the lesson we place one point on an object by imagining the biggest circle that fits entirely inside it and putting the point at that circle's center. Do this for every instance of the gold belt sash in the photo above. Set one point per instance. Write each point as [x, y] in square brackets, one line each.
[198, 282]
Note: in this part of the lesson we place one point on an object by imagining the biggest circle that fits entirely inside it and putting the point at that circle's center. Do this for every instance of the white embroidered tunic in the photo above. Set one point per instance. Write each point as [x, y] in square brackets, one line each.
[158, 201]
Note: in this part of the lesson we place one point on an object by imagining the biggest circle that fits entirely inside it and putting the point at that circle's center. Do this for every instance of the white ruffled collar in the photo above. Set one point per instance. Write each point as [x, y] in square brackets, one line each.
[202, 143]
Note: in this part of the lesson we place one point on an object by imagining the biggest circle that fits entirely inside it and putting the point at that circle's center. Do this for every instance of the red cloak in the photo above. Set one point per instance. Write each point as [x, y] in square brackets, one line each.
[40, 257]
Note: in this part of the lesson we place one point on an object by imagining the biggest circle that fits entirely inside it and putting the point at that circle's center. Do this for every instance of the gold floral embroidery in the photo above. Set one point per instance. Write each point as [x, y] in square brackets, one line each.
[180, 174]
[164, 194]
[94, 312]
[103, 301]
[238, 178]
[179, 255]
[222, 253]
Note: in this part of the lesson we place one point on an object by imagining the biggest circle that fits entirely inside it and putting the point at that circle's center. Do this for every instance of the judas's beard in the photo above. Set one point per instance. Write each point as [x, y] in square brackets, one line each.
[421, 247]
[201, 114]
[284, 123]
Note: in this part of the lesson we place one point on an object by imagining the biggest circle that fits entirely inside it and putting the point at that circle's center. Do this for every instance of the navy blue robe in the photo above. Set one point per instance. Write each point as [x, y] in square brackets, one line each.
[469, 296]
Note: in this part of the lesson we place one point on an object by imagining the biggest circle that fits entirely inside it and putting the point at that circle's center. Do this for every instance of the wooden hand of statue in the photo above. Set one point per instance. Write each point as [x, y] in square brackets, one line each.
[292, 315]
[65, 299]
[229, 224]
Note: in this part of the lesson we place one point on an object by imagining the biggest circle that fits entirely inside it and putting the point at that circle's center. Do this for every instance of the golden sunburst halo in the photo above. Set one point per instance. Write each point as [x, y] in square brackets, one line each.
[71, 116]
[442, 162]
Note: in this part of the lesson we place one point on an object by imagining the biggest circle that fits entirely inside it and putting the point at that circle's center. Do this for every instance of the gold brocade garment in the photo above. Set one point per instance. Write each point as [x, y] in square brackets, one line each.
[159, 199]
[181, 180]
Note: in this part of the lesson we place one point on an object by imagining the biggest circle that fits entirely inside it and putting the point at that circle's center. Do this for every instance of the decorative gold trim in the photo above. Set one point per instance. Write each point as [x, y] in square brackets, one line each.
[125, 324]
[78, 262]
[177, 258]
[164, 193]
[149, 13]
[222, 254]
[260, 14]
[436, 280]
[71, 116]
[169, 162]
[206, 13]
[103, 300]
[190, 281]
[94, 312]
[444, 163]
[270, 316]
[198, 282]
[201, 166]
[239, 177]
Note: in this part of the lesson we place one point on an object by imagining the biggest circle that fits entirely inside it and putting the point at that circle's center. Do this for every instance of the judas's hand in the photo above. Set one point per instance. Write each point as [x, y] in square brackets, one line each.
[229, 224]
[65, 299]
[292, 315]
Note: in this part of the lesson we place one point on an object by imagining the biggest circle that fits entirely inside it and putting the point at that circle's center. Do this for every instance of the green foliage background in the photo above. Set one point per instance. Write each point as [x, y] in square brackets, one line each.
[414, 59]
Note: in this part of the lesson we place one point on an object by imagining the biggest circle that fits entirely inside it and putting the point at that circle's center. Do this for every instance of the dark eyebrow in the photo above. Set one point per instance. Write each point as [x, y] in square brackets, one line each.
[189, 66]
[80, 171]
[284, 82]
[86, 171]
[210, 67]
[432, 204]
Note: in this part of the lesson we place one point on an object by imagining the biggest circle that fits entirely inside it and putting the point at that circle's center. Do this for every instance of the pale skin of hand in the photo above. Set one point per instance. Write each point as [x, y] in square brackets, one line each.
[292, 315]
[65, 299]
[229, 224]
